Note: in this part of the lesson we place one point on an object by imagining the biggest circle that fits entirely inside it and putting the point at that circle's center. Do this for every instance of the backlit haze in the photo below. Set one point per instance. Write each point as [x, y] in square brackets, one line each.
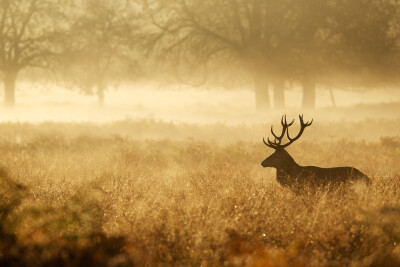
[160, 133]
[41, 103]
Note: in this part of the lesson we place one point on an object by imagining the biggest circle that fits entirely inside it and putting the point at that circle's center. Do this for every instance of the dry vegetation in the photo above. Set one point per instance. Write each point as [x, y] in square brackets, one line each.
[103, 195]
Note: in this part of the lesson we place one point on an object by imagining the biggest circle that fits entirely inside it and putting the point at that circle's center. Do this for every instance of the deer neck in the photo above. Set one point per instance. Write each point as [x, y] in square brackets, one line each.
[288, 167]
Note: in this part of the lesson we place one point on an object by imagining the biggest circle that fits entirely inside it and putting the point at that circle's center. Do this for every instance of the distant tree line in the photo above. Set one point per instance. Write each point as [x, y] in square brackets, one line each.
[91, 44]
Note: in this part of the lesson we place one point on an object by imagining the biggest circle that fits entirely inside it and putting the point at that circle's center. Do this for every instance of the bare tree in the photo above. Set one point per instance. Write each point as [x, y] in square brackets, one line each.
[306, 41]
[245, 34]
[95, 48]
[27, 29]
[343, 43]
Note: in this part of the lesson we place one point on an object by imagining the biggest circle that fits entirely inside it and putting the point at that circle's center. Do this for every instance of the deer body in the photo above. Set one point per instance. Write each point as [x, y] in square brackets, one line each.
[290, 174]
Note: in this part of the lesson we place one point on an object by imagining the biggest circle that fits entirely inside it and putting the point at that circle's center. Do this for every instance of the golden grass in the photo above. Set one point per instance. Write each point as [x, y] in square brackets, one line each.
[73, 195]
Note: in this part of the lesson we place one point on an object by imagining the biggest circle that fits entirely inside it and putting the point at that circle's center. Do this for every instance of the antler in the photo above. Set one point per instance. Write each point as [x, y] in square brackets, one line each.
[278, 139]
[285, 128]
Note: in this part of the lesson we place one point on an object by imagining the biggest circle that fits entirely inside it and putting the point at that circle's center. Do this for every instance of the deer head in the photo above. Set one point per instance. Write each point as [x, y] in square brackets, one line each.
[281, 158]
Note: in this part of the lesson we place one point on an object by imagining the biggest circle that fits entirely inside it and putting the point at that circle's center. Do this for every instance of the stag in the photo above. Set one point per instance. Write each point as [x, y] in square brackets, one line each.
[292, 175]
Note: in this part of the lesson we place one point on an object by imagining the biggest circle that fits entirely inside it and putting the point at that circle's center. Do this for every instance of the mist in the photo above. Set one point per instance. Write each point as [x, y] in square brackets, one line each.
[197, 61]
[199, 133]
[183, 104]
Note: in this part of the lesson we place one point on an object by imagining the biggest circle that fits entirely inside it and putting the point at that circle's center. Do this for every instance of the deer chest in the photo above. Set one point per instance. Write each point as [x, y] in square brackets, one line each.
[282, 178]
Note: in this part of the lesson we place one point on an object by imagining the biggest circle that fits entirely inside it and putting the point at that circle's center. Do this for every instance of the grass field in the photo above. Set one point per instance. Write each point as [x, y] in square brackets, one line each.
[153, 193]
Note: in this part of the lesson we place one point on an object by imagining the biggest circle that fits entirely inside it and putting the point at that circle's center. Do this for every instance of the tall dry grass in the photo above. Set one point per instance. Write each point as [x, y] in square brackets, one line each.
[72, 196]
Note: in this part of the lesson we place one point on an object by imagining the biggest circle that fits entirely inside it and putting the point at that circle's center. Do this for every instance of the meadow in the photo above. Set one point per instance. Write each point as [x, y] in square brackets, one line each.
[146, 192]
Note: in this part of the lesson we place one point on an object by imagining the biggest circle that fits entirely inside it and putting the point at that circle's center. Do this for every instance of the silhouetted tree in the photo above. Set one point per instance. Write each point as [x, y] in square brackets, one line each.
[340, 43]
[245, 34]
[369, 41]
[95, 49]
[27, 29]
[310, 44]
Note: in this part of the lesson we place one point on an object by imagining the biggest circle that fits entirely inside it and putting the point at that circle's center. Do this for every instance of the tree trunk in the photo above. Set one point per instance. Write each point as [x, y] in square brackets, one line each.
[279, 93]
[308, 93]
[261, 92]
[100, 94]
[9, 88]
[332, 97]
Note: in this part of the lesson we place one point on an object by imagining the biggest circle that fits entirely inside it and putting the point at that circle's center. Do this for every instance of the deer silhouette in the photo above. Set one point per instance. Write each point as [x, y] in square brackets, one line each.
[290, 174]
